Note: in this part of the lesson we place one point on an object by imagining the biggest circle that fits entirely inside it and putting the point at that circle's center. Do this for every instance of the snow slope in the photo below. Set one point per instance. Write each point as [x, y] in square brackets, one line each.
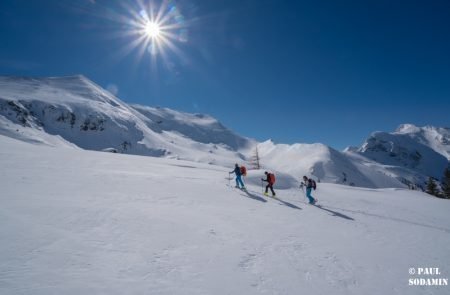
[76, 110]
[81, 222]
[401, 150]
[436, 138]
[198, 127]
[399, 159]
[325, 164]
[405, 156]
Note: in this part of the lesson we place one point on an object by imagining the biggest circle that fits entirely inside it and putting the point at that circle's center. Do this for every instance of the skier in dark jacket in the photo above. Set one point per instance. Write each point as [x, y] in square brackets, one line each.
[309, 186]
[237, 171]
[270, 179]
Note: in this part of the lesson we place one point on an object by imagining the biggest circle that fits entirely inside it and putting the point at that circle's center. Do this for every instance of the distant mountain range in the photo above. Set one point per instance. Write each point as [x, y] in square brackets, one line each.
[75, 112]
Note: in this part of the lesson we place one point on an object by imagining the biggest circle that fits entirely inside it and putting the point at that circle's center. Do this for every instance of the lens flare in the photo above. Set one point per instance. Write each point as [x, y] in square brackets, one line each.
[152, 31]
[159, 28]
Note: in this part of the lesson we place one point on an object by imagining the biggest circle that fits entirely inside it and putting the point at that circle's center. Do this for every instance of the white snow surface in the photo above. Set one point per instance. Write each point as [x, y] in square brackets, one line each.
[75, 112]
[434, 137]
[74, 221]
[408, 154]
[324, 164]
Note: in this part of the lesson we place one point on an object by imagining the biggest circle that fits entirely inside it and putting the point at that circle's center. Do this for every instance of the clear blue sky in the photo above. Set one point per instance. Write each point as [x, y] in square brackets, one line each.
[294, 71]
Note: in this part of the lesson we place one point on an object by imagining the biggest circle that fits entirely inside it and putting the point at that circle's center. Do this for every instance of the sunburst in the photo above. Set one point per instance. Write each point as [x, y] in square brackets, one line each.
[151, 30]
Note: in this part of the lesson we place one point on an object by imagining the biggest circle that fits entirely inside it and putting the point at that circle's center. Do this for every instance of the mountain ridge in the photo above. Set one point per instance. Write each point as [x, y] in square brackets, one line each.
[74, 111]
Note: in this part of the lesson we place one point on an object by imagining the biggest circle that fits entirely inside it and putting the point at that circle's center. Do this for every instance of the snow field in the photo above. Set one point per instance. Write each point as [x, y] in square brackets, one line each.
[75, 221]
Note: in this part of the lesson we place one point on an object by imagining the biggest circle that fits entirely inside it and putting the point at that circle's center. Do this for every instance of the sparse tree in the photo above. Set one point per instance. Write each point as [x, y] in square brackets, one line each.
[446, 184]
[255, 159]
[432, 187]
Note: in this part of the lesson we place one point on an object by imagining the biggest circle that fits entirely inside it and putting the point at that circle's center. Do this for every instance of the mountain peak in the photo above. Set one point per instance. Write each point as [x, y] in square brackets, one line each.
[83, 113]
[73, 110]
[411, 128]
[407, 128]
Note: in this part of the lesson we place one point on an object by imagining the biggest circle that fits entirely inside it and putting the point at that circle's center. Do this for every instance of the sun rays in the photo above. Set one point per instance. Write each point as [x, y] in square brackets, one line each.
[151, 30]
[148, 34]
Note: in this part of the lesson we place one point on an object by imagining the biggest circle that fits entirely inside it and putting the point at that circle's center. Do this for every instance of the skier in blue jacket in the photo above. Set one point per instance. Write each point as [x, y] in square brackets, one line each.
[309, 186]
[237, 171]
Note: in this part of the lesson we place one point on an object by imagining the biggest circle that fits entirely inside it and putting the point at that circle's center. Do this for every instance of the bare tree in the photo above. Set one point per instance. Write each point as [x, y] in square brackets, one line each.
[255, 159]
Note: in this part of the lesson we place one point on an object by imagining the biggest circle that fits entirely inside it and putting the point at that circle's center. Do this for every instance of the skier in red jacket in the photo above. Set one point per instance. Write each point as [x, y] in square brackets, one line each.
[270, 179]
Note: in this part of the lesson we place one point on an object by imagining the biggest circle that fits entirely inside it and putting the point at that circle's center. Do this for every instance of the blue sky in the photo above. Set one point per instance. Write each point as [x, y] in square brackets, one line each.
[292, 71]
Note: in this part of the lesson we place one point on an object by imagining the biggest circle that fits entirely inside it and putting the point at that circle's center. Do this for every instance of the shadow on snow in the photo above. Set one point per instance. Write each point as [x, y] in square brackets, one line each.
[286, 203]
[334, 213]
[447, 230]
[253, 196]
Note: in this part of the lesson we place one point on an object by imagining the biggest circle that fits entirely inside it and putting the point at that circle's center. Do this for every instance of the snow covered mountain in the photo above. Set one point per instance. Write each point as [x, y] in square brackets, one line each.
[435, 138]
[413, 154]
[324, 163]
[74, 112]
[404, 158]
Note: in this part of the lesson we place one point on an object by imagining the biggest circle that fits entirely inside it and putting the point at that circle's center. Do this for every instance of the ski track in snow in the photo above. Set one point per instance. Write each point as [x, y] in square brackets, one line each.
[80, 222]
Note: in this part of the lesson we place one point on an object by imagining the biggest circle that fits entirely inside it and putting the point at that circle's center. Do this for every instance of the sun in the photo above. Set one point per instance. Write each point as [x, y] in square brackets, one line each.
[152, 30]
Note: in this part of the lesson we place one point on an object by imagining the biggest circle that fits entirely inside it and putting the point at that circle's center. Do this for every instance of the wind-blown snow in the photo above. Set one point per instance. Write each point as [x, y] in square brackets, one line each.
[436, 138]
[80, 112]
[83, 222]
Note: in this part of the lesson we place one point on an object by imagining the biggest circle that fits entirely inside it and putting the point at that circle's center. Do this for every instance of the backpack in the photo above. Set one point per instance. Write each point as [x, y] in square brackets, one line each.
[243, 171]
[271, 178]
[313, 182]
